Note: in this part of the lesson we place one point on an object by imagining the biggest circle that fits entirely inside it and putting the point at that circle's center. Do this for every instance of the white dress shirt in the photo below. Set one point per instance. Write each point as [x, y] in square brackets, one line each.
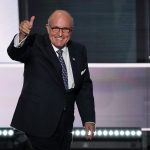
[66, 58]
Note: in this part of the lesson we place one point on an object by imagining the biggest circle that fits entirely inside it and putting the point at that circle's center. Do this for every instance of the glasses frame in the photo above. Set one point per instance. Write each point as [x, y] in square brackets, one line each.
[65, 30]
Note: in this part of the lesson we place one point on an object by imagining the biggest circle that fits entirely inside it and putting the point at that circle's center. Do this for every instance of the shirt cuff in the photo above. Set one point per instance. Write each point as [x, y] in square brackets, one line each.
[18, 44]
[90, 122]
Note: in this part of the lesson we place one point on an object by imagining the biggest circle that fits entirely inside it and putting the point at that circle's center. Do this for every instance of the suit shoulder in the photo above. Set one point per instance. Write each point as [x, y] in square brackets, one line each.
[76, 44]
[77, 47]
[36, 36]
[39, 39]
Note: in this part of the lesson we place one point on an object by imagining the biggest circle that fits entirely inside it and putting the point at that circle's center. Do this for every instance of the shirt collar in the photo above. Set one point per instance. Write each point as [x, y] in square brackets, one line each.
[64, 49]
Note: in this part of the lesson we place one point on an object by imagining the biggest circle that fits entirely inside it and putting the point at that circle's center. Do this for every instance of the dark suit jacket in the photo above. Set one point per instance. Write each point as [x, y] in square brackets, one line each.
[43, 96]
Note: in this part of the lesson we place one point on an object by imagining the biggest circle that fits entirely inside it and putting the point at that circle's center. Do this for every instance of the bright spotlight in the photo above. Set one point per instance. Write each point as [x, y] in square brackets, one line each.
[10, 132]
[105, 132]
[111, 133]
[139, 133]
[127, 133]
[122, 133]
[99, 133]
[133, 133]
[83, 133]
[5, 133]
[116, 133]
[77, 132]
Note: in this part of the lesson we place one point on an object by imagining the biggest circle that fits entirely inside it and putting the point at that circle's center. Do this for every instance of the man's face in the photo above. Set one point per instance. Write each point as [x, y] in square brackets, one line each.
[59, 30]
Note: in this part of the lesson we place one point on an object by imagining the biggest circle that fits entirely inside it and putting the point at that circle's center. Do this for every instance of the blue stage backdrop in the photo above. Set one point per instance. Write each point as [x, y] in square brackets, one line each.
[108, 28]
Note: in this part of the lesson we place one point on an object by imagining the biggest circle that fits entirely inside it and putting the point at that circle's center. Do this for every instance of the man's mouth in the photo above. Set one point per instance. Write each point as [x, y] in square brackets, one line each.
[59, 38]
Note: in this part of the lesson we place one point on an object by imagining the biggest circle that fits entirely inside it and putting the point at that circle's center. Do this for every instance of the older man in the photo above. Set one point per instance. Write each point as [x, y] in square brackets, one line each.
[56, 75]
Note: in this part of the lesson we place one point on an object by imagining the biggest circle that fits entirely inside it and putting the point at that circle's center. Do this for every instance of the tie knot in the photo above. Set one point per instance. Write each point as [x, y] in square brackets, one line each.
[60, 51]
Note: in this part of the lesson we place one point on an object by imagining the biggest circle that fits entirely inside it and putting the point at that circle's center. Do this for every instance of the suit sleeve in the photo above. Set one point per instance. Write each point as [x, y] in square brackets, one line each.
[23, 53]
[85, 98]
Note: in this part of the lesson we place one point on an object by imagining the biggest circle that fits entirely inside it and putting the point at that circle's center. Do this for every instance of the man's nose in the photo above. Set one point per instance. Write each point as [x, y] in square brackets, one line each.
[60, 32]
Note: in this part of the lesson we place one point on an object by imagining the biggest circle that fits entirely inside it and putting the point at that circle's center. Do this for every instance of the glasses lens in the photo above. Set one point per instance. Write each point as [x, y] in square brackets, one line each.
[57, 29]
[65, 30]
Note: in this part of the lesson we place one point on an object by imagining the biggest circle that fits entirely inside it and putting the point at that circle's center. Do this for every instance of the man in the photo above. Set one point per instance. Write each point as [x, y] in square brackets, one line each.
[56, 75]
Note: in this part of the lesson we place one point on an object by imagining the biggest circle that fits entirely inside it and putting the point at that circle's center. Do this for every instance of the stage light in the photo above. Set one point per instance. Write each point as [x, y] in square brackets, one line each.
[103, 138]
[133, 133]
[99, 133]
[6, 132]
[127, 133]
[10, 132]
[73, 133]
[116, 133]
[109, 132]
[105, 132]
[83, 133]
[122, 133]
[77, 133]
[12, 139]
[108, 138]
[139, 133]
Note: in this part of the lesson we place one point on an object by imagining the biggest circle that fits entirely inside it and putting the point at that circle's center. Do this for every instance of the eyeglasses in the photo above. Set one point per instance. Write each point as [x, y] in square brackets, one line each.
[64, 30]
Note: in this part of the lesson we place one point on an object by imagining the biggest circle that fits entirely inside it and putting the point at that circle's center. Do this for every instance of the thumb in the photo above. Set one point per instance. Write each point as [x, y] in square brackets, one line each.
[31, 21]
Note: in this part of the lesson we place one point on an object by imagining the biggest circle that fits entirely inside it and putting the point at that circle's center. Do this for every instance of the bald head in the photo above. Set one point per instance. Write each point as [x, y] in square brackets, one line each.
[57, 14]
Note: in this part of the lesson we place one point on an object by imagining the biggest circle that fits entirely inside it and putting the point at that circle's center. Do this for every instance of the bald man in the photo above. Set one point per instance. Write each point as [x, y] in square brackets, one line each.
[56, 76]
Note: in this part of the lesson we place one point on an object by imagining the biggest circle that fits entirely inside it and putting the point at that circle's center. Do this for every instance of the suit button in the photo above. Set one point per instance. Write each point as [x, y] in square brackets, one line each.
[64, 108]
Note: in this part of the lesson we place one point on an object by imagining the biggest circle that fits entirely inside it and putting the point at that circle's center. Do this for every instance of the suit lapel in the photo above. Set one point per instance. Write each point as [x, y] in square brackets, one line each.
[52, 58]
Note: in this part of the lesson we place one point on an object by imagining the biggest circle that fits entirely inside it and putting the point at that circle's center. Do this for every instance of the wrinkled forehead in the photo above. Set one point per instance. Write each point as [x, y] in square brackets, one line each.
[60, 17]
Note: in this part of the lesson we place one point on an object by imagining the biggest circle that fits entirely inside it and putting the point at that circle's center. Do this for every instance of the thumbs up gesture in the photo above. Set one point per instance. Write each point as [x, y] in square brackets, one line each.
[25, 28]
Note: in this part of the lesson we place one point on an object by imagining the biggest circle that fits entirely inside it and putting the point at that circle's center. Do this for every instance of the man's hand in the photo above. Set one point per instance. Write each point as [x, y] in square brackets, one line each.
[90, 129]
[25, 28]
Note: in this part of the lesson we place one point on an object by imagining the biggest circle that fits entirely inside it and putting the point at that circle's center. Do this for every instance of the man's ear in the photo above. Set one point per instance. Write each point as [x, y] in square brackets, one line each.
[47, 28]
